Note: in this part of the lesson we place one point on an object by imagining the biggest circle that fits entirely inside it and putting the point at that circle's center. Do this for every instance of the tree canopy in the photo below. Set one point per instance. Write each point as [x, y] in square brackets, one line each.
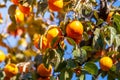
[45, 31]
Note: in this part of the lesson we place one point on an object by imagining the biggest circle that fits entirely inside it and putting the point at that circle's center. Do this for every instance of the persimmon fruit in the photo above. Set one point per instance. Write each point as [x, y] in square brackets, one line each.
[43, 71]
[25, 9]
[74, 30]
[36, 40]
[106, 63]
[19, 16]
[37, 44]
[11, 70]
[52, 33]
[55, 5]
[16, 2]
[109, 17]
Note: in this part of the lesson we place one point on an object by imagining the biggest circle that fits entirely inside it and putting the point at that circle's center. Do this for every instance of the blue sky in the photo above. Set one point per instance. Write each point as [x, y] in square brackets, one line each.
[4, 14]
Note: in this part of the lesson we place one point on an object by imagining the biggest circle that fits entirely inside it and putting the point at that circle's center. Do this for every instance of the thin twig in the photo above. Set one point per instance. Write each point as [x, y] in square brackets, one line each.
[77, 5]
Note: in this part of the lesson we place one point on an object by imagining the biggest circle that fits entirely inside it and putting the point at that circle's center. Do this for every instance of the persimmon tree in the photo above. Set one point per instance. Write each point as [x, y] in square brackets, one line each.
[90, 27]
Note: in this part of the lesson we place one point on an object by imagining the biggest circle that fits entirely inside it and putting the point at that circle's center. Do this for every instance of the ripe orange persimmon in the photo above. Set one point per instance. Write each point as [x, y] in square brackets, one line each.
[47, 78]
[105, 63]
[2, 56]
[44, 42]
[55, 5]
[43, 71]
[19, 16]
[16, 2]
[52, 33]
[74, 30]
[11, 70]
[36, 40]
[24, 9]
[109, 17]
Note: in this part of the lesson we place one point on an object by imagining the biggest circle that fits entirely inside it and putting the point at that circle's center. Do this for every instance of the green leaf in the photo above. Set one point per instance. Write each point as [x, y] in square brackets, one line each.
[51, 57]
[109, 35]
[36, 26]
[13, 19]
[52, 78]
[87, 48]
[91, 68]
[12, 27]
[118, 66]
[34, 75]
[60, 52]
[54, 57]
[81, 77]
[64, 75]
[96, 14]
[2, 75]
[103, 74]
[42, 7]
[20, 57]
[100, 21]
[54, 40]
[11, 10]
[71, 41]
[71, 64]
[31, 2]
[38, 59]
[70, 73]
[85, 35]
[117, 41]
[80, 55]
[86, 12]
[111, 76]
[17, 76]
[98, 40]
[67, 76]
[116, 20]
[76, 53]
[113, 68]
[96, 36]
[61, 66]
[52, 54]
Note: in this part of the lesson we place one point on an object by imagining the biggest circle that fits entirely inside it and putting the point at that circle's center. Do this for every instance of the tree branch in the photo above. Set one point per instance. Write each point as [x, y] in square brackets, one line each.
[104, 10]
